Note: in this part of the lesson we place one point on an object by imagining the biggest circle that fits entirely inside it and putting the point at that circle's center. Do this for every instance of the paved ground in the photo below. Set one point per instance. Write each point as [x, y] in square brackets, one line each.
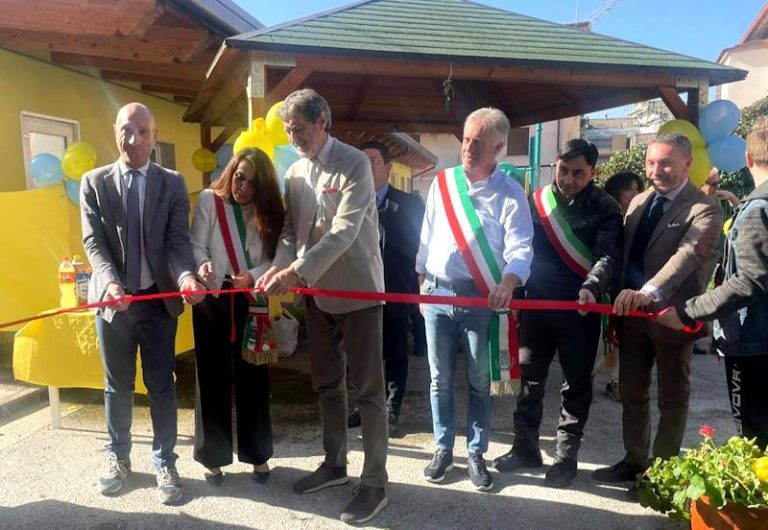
[47, 476]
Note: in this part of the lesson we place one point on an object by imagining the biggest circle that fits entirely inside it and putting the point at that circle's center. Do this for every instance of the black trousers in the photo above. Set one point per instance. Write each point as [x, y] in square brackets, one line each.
[395, 351]
[219, 367]
[749, 400]
[575, 339]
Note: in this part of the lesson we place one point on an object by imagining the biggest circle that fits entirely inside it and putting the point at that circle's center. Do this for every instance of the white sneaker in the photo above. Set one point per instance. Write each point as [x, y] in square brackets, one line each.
[117, 471]
[168, 485]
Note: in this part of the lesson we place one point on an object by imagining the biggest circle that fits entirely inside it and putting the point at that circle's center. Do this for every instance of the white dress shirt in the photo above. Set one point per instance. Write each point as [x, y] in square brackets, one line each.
[503, 211]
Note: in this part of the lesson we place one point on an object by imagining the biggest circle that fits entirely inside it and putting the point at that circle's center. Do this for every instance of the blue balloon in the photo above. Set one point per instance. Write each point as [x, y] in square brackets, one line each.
[284, 157]
[223, 156]
[718, 120]
[72, 187]
[728, 154]
[46, 169]
[216, 173]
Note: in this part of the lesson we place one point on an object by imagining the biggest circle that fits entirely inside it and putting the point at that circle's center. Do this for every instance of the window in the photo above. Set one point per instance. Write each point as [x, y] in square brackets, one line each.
[164, 155]
[517, 142]
[45, 134]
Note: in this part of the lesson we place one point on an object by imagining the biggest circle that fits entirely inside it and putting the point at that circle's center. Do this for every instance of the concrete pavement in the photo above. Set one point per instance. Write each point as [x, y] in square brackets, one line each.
[47, 477]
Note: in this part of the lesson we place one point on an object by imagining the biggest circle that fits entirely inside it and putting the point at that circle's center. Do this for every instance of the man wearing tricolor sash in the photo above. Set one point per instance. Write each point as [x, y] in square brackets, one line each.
[475, 241]
[577, 247]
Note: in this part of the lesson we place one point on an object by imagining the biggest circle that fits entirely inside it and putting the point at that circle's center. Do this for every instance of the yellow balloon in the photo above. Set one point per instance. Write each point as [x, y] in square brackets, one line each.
[75, 163]
[85, 147]
[700, 166]
[259, 125]
[255, 139]
[204, 160]
[685, 128]
[275, 125]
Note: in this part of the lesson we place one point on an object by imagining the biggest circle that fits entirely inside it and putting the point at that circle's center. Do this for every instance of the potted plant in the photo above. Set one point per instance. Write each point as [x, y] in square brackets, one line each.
[715, 486]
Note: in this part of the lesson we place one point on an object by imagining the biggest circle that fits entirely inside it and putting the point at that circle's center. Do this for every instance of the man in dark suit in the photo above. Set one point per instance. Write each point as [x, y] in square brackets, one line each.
[136, 235]
[400, 216]
[670, 231]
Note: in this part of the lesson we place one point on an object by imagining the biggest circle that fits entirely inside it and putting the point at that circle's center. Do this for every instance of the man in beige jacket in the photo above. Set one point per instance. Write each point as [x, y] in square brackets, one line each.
[330, 240]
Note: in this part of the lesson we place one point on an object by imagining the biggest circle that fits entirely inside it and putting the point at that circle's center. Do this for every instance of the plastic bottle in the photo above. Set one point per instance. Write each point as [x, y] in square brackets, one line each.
[67, 284]
[82, 276]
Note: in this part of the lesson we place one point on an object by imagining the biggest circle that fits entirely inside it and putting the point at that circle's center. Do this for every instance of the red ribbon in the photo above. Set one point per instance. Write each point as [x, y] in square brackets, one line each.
[406, 298]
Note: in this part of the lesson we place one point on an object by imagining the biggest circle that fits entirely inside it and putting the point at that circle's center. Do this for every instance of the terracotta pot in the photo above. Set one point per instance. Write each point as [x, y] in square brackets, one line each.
[730, 517]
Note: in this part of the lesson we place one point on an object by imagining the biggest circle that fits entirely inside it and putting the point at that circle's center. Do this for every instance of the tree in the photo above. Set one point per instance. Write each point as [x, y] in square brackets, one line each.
[633, 159]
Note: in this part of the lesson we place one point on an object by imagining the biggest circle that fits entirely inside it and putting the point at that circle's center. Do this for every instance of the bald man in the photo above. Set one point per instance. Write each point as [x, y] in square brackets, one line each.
[136, 236]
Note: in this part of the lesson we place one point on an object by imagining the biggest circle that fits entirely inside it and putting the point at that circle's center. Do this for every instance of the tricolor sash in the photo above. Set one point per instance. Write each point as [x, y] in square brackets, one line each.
[258, 345]
[571, 250]
[481, 262]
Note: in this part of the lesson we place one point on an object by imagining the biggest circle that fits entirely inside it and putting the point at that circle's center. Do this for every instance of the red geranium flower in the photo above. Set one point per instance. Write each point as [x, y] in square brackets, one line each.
[706, 431]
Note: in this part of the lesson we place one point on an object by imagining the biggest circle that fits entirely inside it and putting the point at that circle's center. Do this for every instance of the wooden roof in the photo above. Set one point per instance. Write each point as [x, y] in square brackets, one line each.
[158, 46]
[383, 66]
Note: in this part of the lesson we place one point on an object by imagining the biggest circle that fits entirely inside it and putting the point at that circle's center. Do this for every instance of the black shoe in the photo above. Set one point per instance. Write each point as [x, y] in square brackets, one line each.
[261, 477]
[366, 503]
[441, 463]
[214, 478]
[478, 473]
[394, 424]
[612, 391]
[516, 459]
[353, 420]
[323, 477]
[620, 472]
[561, 474]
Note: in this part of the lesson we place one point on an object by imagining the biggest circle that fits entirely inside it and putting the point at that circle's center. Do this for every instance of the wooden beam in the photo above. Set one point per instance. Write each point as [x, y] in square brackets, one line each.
[603, 76]
[674, 103]
[223, 136]
[192, 71]
[216, 96]
[390, 126]
[354, 110]
[76, 17]
[205, 142]
[183, 99]
[160, 45]
[287, 84]
[182, 84]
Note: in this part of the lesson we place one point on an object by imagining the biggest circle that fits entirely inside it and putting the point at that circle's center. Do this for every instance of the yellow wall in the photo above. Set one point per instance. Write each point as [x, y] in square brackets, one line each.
[35, 86]
[400, 176]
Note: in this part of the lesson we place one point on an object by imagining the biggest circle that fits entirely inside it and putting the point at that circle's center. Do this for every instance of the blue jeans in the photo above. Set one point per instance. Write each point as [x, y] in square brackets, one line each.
[446, 328]
[148, 325]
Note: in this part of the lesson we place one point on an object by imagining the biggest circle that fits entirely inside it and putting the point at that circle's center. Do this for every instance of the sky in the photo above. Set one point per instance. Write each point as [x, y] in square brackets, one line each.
[699, 28]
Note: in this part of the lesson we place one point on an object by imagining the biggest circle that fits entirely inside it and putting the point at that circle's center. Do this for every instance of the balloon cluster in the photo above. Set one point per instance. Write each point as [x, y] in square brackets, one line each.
[713, 143]
[48, 169]
[265, 133]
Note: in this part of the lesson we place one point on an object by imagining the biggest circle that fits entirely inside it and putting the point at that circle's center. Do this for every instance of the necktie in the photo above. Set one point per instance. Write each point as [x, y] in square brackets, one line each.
[133, 237]
[635, 277]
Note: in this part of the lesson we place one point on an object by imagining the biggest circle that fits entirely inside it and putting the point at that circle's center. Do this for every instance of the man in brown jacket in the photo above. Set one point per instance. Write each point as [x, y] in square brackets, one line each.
[669, 232]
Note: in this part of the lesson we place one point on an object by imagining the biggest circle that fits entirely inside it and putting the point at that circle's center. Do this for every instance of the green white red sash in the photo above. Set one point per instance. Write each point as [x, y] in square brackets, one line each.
[570, 249]
[258, 346]
[486, 272]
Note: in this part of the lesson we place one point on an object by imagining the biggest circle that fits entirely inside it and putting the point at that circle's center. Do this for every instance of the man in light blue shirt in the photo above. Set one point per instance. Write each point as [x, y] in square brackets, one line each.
[505, 218]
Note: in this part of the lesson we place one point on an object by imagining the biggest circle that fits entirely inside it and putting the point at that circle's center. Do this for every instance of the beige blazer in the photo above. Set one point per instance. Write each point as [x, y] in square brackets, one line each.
[331, 234]
[675, 260]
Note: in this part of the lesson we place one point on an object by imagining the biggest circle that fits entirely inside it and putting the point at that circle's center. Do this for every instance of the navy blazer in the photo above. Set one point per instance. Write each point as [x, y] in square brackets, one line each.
[400, 218]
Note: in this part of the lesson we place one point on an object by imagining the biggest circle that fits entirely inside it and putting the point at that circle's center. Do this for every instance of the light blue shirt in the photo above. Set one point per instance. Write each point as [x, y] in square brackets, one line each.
[380, 194]
[504, 214]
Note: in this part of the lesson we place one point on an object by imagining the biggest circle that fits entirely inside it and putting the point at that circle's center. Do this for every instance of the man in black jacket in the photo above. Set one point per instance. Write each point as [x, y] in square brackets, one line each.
[400, 217]
[740, 304]
[577, 248]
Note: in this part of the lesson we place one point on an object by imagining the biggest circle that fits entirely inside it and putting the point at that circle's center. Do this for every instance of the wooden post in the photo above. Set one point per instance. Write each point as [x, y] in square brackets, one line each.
[257, 90]
[205, 141]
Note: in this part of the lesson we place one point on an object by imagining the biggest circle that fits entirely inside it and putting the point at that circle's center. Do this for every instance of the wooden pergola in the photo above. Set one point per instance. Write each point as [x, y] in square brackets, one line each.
[420, 66]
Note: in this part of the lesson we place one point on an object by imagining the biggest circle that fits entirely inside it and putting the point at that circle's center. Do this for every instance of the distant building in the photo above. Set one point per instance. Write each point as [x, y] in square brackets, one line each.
[751, 54]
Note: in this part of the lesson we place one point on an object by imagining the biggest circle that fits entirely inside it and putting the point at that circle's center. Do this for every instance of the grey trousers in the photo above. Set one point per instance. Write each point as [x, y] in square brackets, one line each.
[360, 332]
[637, 353]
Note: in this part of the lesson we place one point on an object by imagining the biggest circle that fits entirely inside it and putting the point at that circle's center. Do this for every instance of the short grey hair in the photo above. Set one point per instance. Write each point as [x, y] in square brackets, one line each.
[679, 141]
[309, 104]
[494, 121]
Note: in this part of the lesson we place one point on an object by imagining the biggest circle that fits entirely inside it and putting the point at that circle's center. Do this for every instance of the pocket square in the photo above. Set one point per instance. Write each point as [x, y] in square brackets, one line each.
[330, 190]
[673, 224]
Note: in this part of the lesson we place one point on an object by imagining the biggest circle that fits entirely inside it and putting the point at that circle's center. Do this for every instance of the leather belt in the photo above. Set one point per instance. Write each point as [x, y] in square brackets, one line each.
[457, 286]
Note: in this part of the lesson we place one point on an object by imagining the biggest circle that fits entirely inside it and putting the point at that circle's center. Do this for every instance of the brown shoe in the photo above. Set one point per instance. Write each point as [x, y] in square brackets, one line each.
[365, 505]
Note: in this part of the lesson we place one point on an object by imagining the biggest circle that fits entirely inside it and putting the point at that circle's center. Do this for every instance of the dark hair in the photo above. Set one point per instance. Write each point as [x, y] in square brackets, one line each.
[381, 148]
[576, 148]
[622, 182]
[267, 202]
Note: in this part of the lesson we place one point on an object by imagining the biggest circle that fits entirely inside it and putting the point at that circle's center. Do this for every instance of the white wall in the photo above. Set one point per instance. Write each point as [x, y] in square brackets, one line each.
[753, 57]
